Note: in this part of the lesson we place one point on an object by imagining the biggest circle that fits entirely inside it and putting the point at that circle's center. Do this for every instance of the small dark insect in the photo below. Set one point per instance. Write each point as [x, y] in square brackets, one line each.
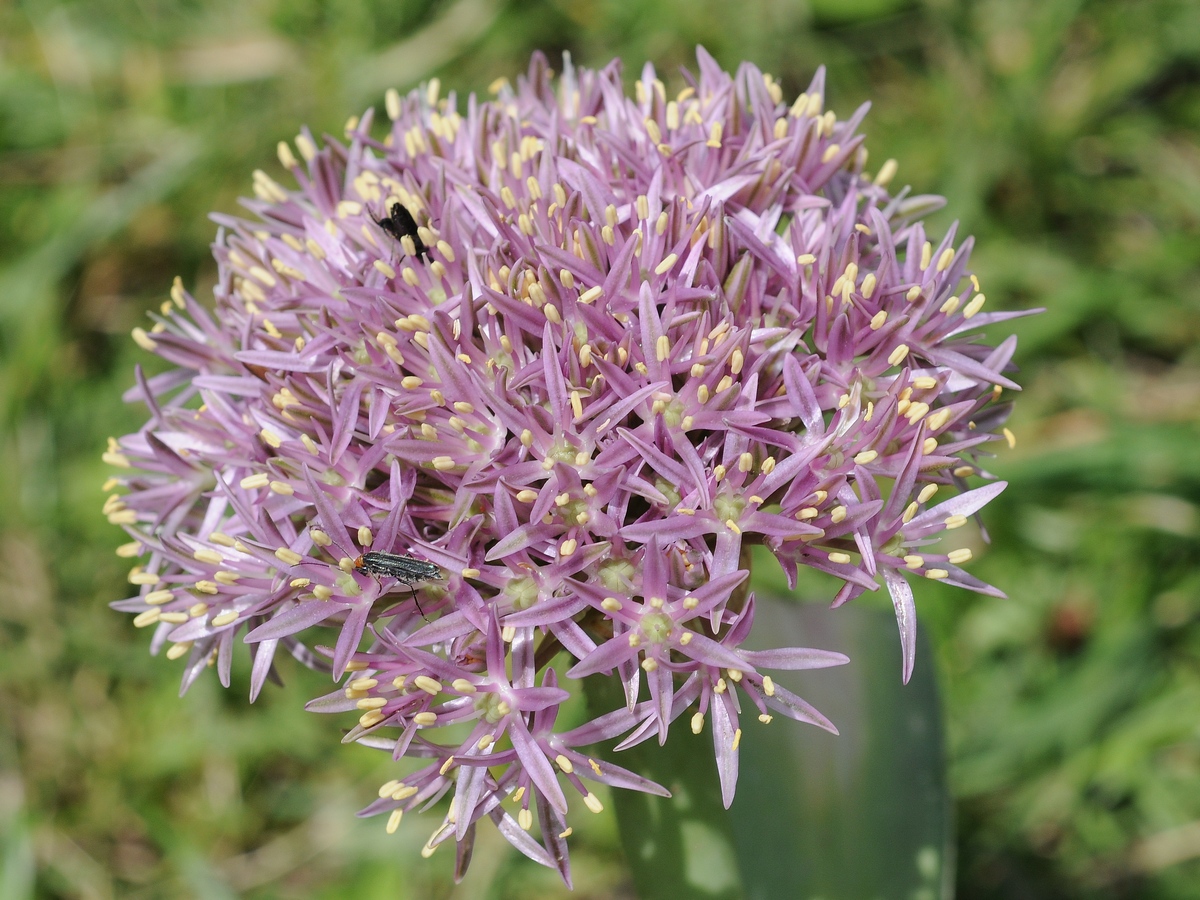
[399, 223]
[402, 568]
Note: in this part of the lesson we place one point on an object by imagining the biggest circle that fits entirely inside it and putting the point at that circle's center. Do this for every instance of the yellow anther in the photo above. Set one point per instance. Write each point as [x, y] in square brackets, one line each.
[144, 340]
[886, 173]
[915, 411]
[667, 264]
[393, 821]
[371, 718]
[936, 421]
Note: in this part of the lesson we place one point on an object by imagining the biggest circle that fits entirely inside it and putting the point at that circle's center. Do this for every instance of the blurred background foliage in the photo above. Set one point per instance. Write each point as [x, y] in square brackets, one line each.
[1066, 135]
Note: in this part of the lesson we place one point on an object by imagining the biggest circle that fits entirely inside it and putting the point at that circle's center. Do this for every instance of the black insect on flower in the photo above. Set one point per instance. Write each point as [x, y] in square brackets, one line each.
[399, 223]
[395, 565]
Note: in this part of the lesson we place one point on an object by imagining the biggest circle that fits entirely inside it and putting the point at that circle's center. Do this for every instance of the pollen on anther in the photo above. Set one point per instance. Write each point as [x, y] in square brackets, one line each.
[393, 821]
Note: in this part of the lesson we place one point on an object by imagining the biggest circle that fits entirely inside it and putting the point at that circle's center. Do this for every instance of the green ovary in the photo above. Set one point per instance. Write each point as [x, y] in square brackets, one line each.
[523, 591]
[616, 574]
[657, 627]
[728, 507]
[493, 707]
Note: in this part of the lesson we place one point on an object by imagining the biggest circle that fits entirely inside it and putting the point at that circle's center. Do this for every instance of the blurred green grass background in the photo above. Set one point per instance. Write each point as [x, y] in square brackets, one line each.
[1066, 135]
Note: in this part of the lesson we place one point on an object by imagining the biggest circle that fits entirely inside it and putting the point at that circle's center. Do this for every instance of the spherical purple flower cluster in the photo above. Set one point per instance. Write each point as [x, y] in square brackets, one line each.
[618, 341]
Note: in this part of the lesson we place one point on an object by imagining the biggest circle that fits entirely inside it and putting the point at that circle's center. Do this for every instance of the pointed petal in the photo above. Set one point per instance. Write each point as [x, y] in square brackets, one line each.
[794, 658]
[906, 618]
[536, 764]
[724, 727]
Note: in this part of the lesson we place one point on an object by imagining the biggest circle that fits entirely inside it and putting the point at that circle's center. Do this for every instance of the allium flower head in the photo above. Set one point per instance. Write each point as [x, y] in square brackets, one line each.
[602, 346]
